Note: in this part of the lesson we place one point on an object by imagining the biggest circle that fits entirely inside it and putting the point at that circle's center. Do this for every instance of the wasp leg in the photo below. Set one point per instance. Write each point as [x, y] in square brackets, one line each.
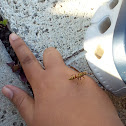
[89, 73]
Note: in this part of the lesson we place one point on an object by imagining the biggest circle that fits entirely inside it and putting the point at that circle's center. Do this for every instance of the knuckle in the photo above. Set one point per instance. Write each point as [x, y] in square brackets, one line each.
[19, 44]
[19, 102]
[27, 59]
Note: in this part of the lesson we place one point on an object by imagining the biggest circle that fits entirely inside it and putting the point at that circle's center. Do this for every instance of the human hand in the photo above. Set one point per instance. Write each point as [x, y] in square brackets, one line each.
[58, 101]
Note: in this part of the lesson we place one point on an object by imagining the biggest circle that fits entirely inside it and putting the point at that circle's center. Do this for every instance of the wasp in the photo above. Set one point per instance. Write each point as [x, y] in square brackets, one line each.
[79, 75]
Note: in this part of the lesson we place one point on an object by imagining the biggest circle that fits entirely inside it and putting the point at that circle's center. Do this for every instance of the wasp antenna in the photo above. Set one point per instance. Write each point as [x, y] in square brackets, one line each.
[74, 68]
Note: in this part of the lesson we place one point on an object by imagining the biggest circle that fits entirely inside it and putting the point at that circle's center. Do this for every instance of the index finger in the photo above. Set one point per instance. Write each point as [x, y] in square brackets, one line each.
[30, 64]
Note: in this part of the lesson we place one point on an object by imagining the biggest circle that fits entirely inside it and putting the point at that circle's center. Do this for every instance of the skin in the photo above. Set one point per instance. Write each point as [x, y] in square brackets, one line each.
[58, 101]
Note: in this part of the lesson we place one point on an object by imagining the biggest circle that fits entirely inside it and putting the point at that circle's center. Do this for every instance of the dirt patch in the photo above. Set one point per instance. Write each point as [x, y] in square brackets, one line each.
[15, 65]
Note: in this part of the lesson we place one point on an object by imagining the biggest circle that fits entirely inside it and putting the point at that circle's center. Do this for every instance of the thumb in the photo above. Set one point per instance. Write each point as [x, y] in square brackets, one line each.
[23, 102]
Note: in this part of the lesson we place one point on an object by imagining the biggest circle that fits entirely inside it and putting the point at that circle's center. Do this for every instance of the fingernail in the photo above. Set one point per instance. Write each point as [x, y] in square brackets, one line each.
[13, 36]
[7, 92]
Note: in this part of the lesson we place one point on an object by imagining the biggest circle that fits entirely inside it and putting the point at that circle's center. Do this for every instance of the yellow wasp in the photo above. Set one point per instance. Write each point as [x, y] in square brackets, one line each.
[79, 75]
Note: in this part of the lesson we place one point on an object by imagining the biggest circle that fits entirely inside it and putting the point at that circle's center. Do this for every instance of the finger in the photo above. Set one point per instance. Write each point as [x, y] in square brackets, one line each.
[29, 63]
[23, 102]
[52, 58]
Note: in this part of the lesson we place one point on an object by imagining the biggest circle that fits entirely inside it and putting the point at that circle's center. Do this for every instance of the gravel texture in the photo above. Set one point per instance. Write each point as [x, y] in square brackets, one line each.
[58, 23]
